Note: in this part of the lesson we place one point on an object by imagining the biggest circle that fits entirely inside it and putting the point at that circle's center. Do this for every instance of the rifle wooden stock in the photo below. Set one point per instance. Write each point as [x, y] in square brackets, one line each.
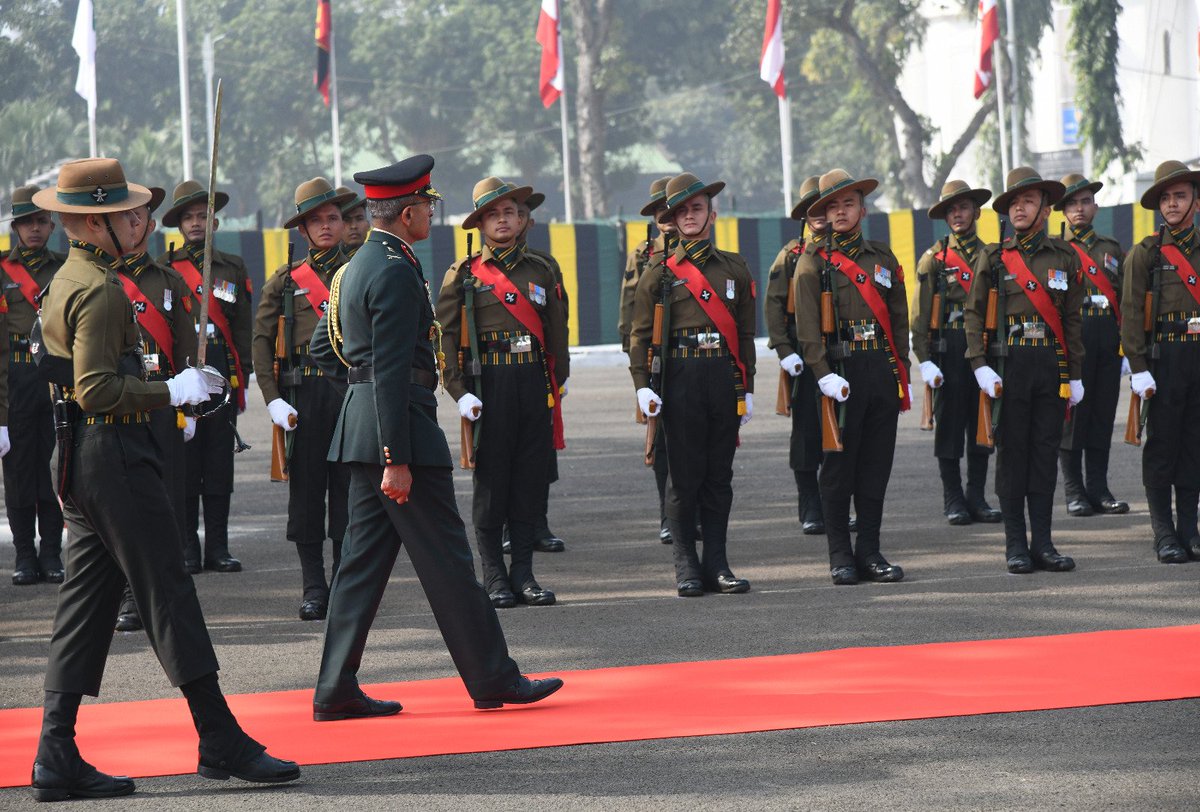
[827, 325]
[989, 322]
[935, 314]
[466, 456]
[831, 433]
[1133, 426]
[927, 409]
[279, 466]
[1148, 312]
[654, 364]
[783, 398]
[651, 435]
[985, 432]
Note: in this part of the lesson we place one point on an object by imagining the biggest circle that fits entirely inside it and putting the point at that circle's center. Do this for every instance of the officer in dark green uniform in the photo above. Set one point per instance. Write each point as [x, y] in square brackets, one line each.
[355, 221]
[313, 481]
[210, 452]
[1041, 350]
[29, 426]
[117, 511]
[381, 326]
[1087, 435]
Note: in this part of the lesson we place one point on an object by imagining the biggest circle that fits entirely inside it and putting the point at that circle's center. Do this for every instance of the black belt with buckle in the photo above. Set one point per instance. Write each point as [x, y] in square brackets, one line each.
[366, 374]
[705, 340]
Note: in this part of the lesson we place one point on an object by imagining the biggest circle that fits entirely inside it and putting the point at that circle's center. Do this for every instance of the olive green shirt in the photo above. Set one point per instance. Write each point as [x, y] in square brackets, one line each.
[229, 274]
[1102, 251]
[781, 325]
[954, 297]
[1173, 296]
[18, 315]
[635, 266]
[166, 290]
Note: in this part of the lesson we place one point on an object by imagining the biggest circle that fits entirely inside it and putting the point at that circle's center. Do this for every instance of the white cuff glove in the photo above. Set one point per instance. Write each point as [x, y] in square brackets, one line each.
[1141, 383]
[189, 428]
[988, 381]
[1125, 366]
[470, 407]
[749, 409]
[910, 397]
[931, 374]
[1076, 393]
[648, 402]
[835, 386]
[792, 365]
[562, 389]
[188, 388]
[5, 443]
[281, 411]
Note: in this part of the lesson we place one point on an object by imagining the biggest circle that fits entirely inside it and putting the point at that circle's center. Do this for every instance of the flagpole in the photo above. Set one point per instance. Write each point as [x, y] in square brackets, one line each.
[566, 155]
[1000, 119]
[185, 119]
[1014, 109]
[333, 107]
[785, 149]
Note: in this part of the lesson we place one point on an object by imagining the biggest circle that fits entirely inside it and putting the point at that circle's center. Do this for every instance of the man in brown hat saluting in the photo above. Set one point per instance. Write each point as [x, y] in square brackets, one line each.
[520, 332]
[1087, 434]
[310, 410]
[707, 389]
[27, 432]
[117, 511]
[1039, 350]
[945, 277]
[1166, 360]
[355, 222]
[869, 349]
[210, 452]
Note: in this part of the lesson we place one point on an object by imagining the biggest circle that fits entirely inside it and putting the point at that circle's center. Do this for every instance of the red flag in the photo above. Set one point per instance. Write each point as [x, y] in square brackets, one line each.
[989, 33]
[324, 38]
[550, 82]
[771, 66]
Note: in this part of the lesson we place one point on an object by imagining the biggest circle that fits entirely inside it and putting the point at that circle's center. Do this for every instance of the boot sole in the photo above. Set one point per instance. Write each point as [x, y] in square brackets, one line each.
[58, 794]
[218, 774]
[492, 704]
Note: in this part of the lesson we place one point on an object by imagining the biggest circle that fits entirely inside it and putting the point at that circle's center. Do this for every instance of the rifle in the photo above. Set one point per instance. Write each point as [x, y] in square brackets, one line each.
[285, 376]
[656, 354]
[1139, 409]
[468, 435]
[995, 345]
[787, 384]
[638, 417]
[937, 342]
[835, 349]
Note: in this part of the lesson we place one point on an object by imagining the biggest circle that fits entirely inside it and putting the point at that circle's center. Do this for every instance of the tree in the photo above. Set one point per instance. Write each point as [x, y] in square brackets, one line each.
[1095, 39]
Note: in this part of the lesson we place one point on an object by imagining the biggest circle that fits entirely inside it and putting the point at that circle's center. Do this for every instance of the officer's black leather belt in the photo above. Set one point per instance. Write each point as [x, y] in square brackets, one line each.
[366, 374]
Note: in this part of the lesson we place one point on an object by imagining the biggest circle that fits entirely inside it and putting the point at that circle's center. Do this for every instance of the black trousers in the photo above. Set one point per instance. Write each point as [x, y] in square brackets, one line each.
[956, 402]
[804, 451]
[121, 528]
[164, 428]
[313, 481]
[432, 530]
[1092, 419]
[1031, 422]
[28, 485]
[1171, 455]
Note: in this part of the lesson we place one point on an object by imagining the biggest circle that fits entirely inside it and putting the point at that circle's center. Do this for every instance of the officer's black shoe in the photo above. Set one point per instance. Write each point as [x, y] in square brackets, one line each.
[502, 598]
[1051, 561]
[1111, 507]
[52, 570]
[985, 514]
[129, 620]
[525, 691]
[534, 595]
[88, 782]
[1020, 564]
[360, 707]
[664, 534]
[691, 588]
[193, 567]
[1171, 552]
[959, 518]
[224, 563]
[549, 544]
[727, 584]
[260, 769]
[1080, 507]
[812, 528]
[844, 576]
[853, 524]
[25, 574]
[881, 572]
[313, 610]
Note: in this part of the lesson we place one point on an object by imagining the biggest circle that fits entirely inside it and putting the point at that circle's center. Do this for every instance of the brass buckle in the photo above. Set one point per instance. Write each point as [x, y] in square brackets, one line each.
[1033, 329]
[1193, 326]
[862, 332]
[523, 343]
[708, 341]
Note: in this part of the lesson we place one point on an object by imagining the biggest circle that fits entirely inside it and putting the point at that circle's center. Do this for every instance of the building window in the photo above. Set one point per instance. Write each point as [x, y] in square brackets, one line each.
[1167, 53]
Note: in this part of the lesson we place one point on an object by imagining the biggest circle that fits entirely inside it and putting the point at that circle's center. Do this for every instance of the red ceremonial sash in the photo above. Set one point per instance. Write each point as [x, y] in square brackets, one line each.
[964, 275]
[706, 297]
[217, 316]
[18, 274]
[151, 318]
[522, 310]
[1037, 294]
[1182, 267]
[866, 288]
[1099, 278]
[317, 293]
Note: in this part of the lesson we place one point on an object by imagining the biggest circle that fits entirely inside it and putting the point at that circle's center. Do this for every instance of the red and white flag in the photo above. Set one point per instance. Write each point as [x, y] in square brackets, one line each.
[550, 83]
[989, 33]
[771, 68]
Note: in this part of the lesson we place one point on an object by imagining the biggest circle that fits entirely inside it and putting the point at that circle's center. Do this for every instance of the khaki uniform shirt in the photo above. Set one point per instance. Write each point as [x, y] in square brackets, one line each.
[229, 275]
[1173, 296]
[18, 315]
[166, 290]
[635, 266]
[1102, 251]
[781, 325]
[954, 297]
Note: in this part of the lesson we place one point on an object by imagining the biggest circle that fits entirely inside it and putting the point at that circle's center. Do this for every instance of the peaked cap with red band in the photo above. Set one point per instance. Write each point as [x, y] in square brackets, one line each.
[408, 177]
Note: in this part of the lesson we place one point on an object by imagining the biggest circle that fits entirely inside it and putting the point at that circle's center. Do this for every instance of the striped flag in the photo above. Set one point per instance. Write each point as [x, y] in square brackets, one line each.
[550, 82]
[324, 37]
[989, 33]
[771, 68]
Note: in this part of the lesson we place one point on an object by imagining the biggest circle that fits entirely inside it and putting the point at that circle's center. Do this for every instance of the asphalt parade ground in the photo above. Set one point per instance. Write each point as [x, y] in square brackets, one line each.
[617, 607]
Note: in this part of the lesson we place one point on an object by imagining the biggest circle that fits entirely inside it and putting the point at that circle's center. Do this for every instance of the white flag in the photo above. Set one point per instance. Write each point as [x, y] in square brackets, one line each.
[84, 43]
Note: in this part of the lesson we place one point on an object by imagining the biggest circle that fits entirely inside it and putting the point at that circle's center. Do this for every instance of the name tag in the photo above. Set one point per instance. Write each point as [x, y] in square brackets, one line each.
[883, 276]
[11, 286]
[484, 288]
[300, 292]
[1056, 279]
[708, 341]
[520, 344]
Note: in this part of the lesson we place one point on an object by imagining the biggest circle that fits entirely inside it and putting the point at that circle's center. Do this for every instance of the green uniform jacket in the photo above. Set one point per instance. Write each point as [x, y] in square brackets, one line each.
[781, 325]
[18, 315]
[87, 319]
[1173, 298]
[228, 273]
[387, 323]
[954, 298]
[562, 289]
[635, 266]
[169, 294]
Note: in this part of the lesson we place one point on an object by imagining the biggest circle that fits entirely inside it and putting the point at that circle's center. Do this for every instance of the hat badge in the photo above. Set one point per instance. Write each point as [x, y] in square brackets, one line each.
[100, 195]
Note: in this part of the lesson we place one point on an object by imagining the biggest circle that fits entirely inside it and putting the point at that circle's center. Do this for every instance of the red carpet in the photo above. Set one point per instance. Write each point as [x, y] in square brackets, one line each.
[845, 686]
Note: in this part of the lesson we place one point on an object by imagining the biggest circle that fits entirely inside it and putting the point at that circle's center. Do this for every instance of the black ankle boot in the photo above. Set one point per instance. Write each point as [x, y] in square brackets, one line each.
[1162, 521]
[954, 502]
[59, 772]
[1071, 464]
[981, 511]
[1186, 508]
[225, 749]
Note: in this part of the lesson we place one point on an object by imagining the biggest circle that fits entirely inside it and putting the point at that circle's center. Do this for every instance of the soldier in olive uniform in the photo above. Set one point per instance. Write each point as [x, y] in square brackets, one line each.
[945, 271]
[779, 313]
[380, 325]
[210, 452]
[1166, 362]
[117, 510]
[521, 333]
[310, 408]
[355, 222]
[1040, 346]
[28, 428]
[708, 385]
[870, 357]
[1087, 435]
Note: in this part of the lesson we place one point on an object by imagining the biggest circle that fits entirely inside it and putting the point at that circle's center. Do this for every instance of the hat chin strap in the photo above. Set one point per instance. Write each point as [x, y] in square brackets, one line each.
[116, 243]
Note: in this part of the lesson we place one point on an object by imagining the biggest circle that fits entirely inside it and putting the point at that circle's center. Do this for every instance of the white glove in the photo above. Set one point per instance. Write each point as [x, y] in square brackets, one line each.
[910, 397]
[1141, 383]
[470, 407]
[562, 389]
[1125, 366]
[189, 428]
[749, 409]
[188, 388]
[988, 381]
[1076, 393]
[5, 443]
[835, 386]
[792, 365]
[281, 411]
[648, 402]
[931, 374]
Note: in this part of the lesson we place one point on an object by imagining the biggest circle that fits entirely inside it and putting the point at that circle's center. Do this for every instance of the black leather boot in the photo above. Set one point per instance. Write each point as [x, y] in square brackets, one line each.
[59, 772]
[21, 523]
[314, 600]
[1167, 545]
[1041, 516]
[225, 749]
[954, 502]
[128, 617]
[216, 535]
[981, 511]
[1016, 542]
[812, 519]
[50, 528]
[1186, 509]
[1070, 463]
[1095, 466]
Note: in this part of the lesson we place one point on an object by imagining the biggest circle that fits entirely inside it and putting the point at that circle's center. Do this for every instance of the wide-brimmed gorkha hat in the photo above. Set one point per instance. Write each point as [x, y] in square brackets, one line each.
[92, 186]
[658, 196]
[534, 200]
[1076, 183]
[1022, 179]
[22, 202]
[186, 194]
[682, 188]
[808, 193]
[1168, 172]
[314, 193]
[354, 202]
[836, 181]
[157, 196]
[957, 190]
[490, 191]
